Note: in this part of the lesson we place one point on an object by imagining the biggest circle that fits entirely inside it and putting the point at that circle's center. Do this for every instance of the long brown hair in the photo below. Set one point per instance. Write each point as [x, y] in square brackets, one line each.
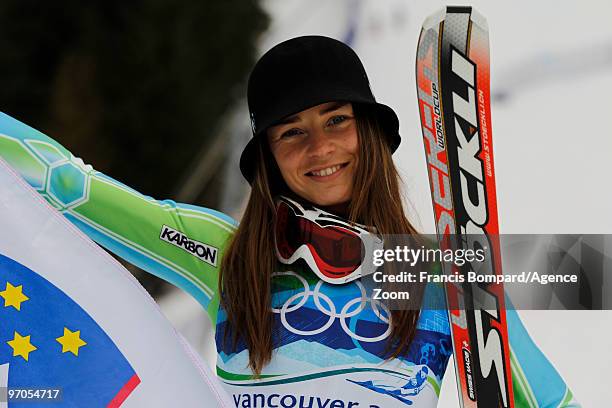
[249, 260]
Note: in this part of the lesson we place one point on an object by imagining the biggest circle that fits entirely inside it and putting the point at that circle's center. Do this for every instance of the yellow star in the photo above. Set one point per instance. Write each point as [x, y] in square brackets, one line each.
[71, 341]
[21, 346]
[13, 296]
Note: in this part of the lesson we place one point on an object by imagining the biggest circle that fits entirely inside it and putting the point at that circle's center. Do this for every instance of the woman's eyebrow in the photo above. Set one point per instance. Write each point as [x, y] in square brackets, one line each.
[333, 107]
[287, 120]
[323, 111]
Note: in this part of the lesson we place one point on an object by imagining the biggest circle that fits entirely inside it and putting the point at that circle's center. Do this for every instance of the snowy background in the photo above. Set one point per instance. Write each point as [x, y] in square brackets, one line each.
[551, 73]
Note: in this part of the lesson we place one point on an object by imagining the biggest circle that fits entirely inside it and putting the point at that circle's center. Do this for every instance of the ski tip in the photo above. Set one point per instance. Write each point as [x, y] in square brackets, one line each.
[459, 9]
[434, 19]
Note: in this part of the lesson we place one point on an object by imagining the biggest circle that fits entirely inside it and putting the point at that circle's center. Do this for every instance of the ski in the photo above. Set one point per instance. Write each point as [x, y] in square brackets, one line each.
[452, 73]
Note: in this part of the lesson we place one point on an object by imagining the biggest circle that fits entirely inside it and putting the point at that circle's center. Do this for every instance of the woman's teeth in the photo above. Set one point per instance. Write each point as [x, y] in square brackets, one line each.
[327, 171]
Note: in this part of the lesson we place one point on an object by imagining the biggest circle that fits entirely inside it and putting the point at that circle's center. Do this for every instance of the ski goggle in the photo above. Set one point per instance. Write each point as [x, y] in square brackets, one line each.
[335, 250]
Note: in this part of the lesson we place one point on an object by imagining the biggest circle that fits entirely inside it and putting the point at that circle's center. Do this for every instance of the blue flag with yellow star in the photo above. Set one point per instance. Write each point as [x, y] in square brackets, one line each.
[49, 341]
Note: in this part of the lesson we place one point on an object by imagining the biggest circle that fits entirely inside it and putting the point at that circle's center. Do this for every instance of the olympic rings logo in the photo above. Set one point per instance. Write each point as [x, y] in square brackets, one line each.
[326, 306]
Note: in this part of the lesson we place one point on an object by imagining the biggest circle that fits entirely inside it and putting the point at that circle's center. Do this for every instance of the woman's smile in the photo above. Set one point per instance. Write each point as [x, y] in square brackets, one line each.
[327, 173]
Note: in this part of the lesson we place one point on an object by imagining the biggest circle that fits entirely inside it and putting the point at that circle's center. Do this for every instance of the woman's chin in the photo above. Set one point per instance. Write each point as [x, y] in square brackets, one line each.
[329, 198]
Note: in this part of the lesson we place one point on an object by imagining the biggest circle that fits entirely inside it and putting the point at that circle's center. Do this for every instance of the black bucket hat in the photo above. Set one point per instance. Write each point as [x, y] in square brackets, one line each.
[303, 72]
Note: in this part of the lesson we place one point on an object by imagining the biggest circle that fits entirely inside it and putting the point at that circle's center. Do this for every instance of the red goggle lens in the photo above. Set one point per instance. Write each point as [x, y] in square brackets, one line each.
[337, 251]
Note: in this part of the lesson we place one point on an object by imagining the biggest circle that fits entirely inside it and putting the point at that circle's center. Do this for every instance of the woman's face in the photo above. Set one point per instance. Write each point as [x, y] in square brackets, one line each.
[316, 152]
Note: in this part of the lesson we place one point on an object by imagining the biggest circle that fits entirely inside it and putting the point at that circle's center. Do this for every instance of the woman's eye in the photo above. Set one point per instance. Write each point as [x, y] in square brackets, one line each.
[291, 132]
[336, 120]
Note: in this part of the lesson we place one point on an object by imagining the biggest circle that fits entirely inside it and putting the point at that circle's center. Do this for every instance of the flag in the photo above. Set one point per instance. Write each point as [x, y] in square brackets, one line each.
[72, 319]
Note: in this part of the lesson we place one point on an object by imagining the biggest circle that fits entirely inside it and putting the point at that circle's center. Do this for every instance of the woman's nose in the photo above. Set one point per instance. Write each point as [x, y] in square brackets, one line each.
[320, 144]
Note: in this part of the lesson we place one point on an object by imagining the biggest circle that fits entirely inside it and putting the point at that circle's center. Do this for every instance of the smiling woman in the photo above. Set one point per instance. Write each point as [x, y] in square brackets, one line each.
[319, 137]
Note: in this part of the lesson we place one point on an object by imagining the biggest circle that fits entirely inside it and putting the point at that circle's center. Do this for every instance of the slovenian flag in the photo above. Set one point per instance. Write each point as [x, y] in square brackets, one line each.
[73, 319]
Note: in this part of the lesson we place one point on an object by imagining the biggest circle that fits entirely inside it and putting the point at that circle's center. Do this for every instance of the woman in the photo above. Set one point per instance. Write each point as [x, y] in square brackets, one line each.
[296, 326]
